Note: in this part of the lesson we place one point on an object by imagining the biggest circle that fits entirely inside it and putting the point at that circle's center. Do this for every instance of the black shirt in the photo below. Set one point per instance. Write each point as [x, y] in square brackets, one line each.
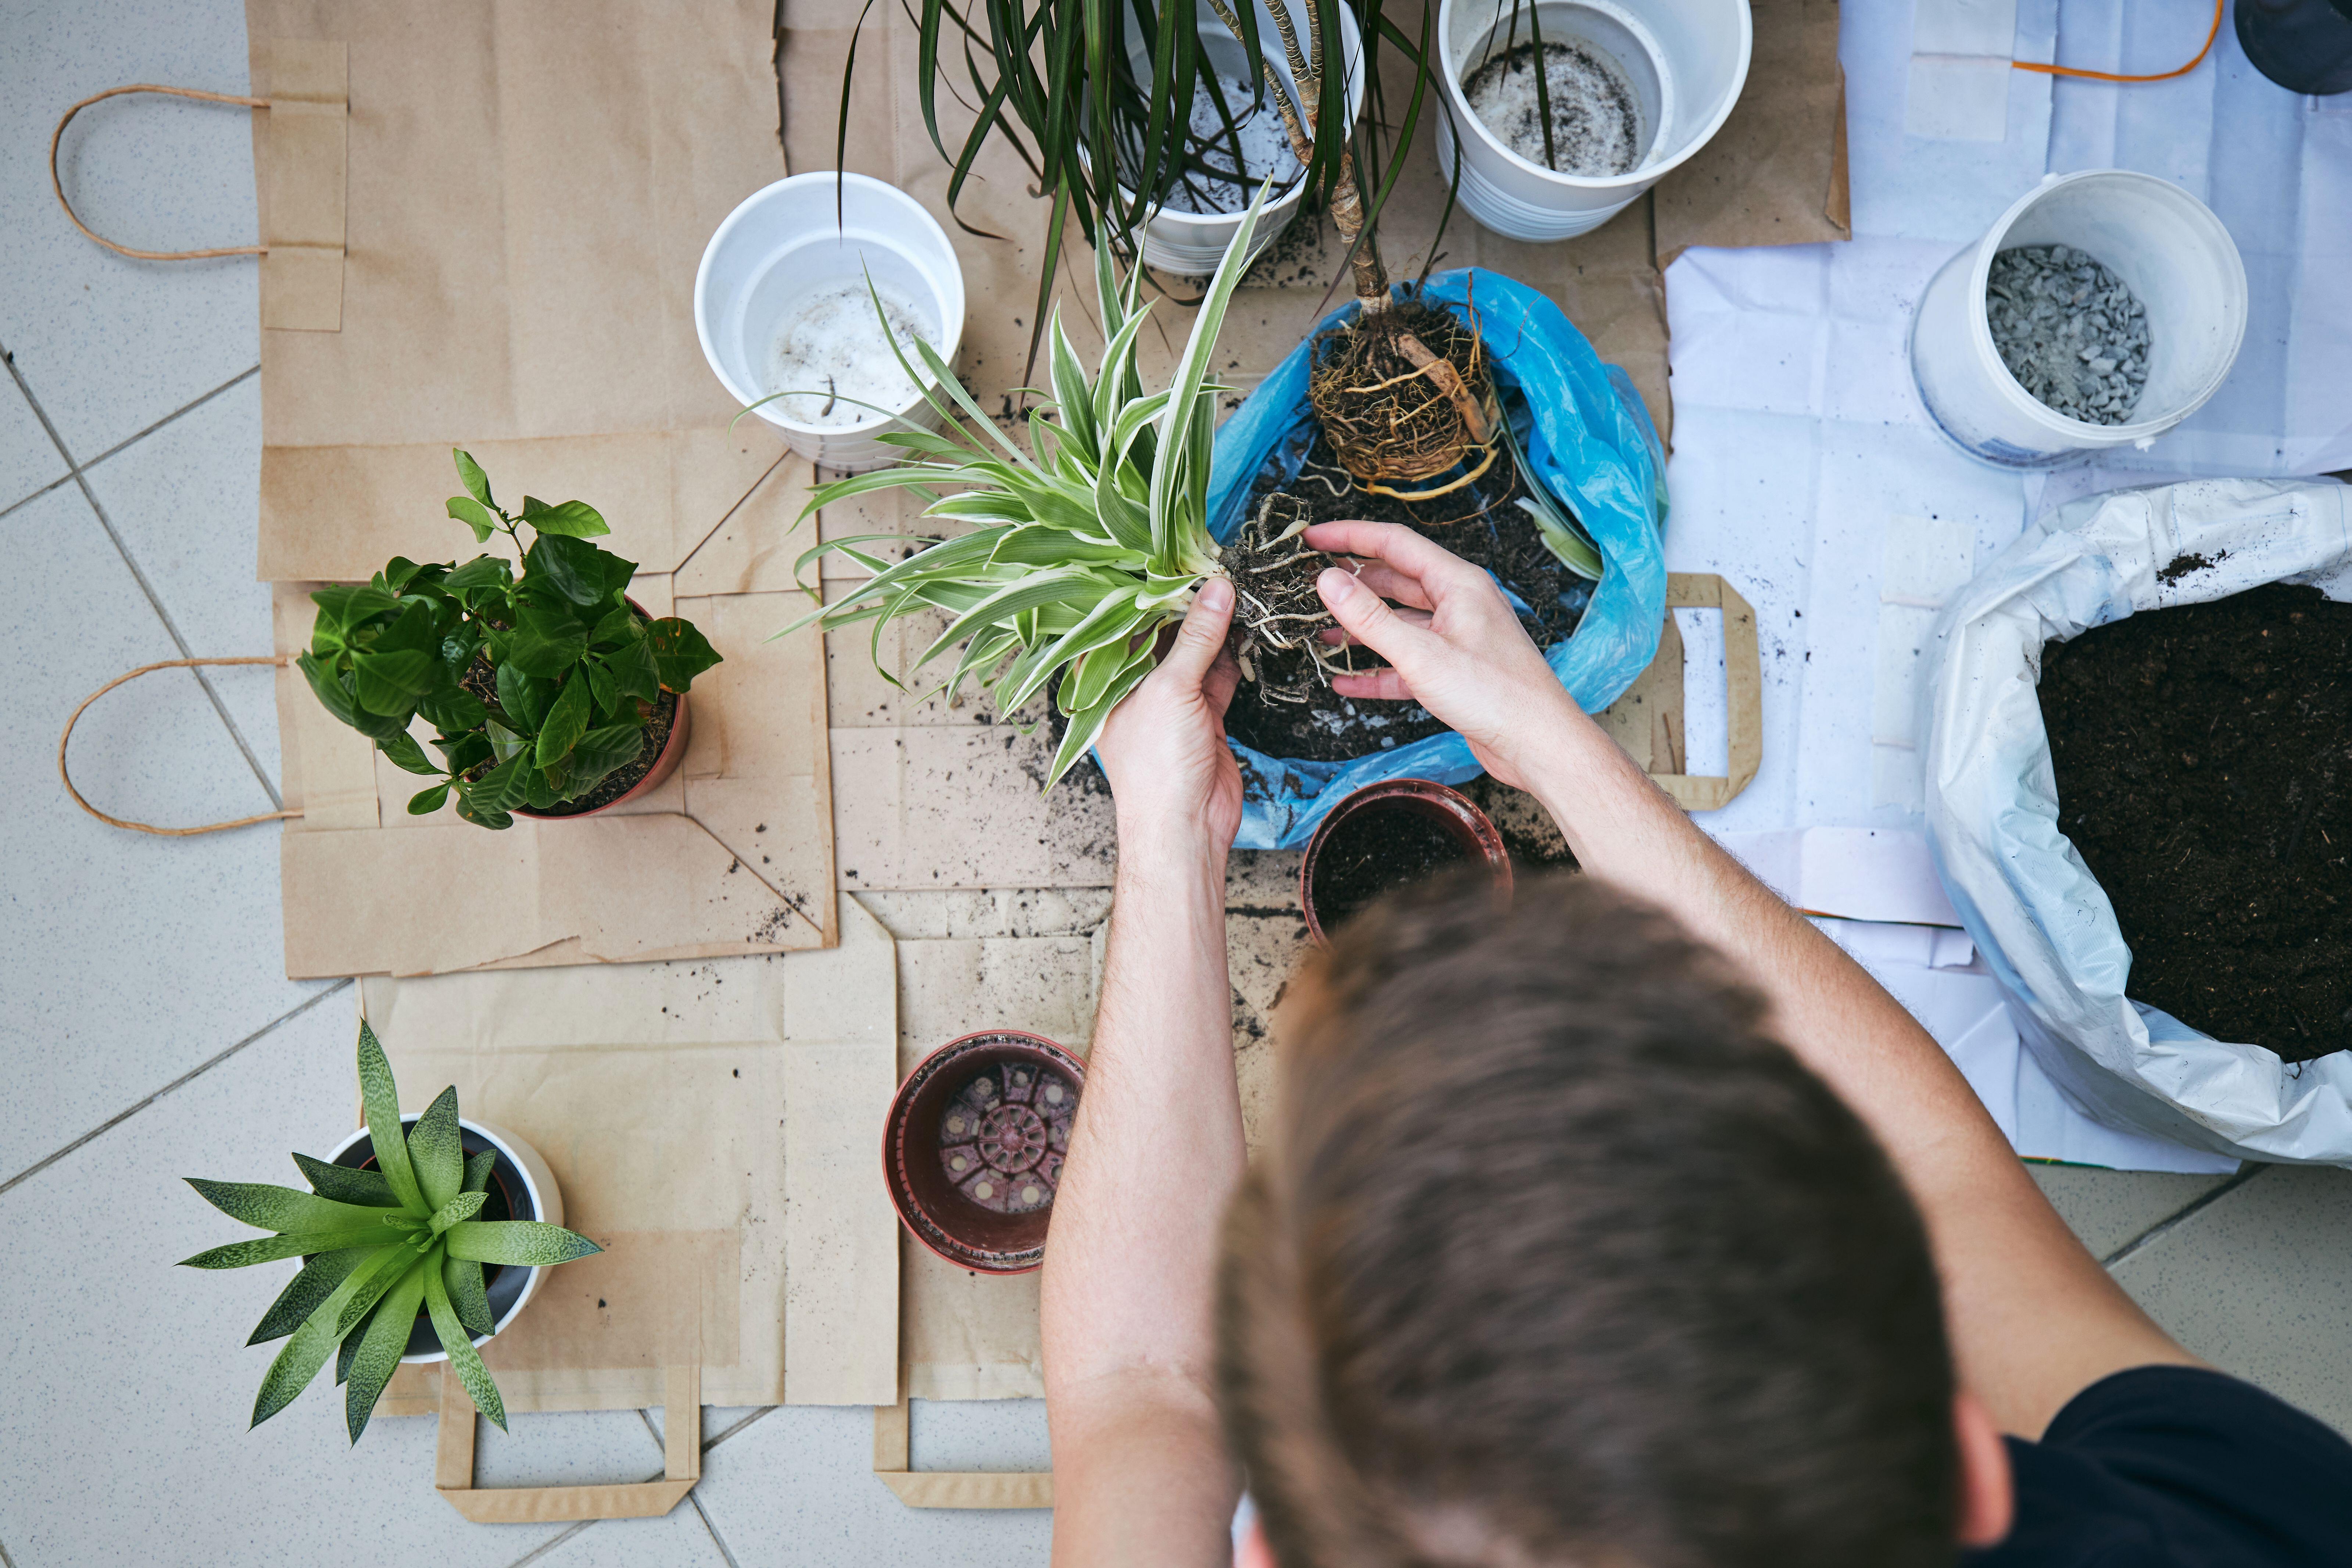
[2178, 1467]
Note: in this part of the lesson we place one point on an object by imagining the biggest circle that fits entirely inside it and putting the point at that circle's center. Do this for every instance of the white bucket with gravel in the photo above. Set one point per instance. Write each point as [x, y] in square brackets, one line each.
[782, 305]
[2101, 310]
[1190, 232]
[1635, 87]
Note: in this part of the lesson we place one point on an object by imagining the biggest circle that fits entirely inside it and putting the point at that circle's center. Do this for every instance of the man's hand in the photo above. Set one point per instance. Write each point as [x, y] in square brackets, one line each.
[1456, 649]
[1164, 749]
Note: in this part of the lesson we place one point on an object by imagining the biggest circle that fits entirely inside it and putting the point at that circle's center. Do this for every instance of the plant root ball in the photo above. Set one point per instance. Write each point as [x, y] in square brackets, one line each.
[1403, 396]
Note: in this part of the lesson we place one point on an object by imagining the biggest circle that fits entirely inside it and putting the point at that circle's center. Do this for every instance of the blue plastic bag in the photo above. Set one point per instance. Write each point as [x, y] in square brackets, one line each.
[1591, 444]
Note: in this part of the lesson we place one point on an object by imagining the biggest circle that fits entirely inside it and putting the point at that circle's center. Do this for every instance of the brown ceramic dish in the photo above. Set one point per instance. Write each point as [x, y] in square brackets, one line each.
[1019, 1092]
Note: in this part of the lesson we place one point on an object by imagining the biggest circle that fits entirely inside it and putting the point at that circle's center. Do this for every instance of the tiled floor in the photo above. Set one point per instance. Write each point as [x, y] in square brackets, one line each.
[149, 1029]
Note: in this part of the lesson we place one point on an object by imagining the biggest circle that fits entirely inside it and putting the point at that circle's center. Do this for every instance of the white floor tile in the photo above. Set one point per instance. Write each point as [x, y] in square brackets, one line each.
[2108, 1208]
[797, 1487]
[134, 959]
[2260, 1284]
[978, 1434]
[110, 345]
[676, 1539]
[134, 1387]
[29, 459]
[184, 499]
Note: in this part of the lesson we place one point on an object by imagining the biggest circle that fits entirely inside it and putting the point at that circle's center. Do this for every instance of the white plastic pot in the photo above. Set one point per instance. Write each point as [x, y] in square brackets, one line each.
[2169, 251]
[1192, 244]
[786, 242]
[518, 1163]
[1684, 59]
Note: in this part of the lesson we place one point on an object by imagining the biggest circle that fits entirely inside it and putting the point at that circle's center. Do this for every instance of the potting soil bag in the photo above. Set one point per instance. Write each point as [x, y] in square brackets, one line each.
[2025, 895]
[1591, 444]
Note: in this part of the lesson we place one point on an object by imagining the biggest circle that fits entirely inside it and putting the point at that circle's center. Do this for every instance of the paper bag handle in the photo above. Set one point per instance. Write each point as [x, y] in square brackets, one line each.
[148, 826]
[949, 1488]
[1743, 691]
[452, 1464]
[58, 186]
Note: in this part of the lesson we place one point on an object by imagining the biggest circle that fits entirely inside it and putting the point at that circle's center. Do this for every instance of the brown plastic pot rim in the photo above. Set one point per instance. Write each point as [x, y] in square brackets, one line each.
[919, 1224]
[1451, 803]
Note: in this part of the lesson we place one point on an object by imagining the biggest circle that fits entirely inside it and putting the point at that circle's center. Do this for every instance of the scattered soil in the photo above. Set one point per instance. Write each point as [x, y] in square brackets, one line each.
[1376, 851]
[1596, 130]
[2204, 771]
[623, 779]
[1478, 522]
[1003, 1137]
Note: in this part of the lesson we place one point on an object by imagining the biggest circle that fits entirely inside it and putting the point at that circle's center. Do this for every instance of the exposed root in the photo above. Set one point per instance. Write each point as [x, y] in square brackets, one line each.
[1403, 396]
[1278, 612]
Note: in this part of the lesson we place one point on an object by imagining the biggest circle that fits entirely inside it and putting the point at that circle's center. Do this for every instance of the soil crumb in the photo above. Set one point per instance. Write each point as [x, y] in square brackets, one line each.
[2204, 770]
[2182, 566]
[1596, 130]
[1376, 851]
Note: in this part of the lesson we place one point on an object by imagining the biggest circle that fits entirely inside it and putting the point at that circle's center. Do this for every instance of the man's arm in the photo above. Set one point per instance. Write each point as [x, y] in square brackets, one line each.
[2034, 1318]
[1140, 1475]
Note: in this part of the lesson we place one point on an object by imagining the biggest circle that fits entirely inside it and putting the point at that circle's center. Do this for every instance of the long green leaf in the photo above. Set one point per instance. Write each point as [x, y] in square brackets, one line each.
[522, 1242]
[316, 1281]
[346, 1185]
[271, 1249]
[295, 1365]
[381, 1099]
[380, 1351]
[464, 1206]
[370, 1283]
[267, 1207]
[1173, 482]
[463, 1357]
[463, 1277]
[1087, 724]
[436, 1150]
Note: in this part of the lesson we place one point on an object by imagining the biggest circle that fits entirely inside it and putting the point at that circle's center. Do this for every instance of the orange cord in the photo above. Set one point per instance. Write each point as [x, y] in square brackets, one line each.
[2210, 34]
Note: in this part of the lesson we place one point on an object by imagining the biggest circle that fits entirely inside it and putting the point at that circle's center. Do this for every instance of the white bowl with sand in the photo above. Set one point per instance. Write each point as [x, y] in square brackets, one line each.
[784, 302]
[1635, 88]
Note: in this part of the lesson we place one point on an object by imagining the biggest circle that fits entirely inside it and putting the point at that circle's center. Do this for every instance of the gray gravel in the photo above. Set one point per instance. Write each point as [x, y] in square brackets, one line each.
[2069, 330]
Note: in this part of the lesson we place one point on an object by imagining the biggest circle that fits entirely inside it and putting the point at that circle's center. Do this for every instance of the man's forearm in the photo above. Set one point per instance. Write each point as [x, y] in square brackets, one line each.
[1157, 1151]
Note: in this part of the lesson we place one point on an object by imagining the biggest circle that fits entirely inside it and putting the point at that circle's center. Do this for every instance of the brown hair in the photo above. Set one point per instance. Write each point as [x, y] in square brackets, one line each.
[1554, 1258]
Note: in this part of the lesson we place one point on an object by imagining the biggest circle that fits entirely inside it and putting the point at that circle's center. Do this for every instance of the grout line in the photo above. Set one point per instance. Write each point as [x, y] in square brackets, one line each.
[714, 1442]
[6, 1561]
[154, 601]
[120, 1117]
[64, 478]
[189, 407]
[716, 1539]
[2166, 1226]
[549, 1545]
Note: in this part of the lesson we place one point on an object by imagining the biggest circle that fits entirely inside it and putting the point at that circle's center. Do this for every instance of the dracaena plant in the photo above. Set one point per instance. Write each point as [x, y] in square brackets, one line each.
[379, 1245]
[1087, 544]
[538, 685]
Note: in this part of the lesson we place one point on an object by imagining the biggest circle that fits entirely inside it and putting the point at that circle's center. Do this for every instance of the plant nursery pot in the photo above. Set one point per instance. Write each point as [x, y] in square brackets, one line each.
[2167, 249]
[790, 246]
[2305, 46]
[521, 1187]
[1192, 244]
[1019, 1093]
[673, 752]
[1330, 891]
[1685, 63]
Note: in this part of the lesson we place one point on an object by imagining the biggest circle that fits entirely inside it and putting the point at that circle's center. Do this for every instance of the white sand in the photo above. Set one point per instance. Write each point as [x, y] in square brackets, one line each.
[1264, 143]
[1596, 129]
[831, 350]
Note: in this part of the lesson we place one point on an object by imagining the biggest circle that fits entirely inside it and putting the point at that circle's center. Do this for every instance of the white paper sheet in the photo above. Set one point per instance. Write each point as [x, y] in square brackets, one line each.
[1798, 431]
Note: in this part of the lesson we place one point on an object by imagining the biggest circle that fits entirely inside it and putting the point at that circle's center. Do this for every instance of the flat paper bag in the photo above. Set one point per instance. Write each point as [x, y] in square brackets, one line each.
[713, 1126]
[530, 189]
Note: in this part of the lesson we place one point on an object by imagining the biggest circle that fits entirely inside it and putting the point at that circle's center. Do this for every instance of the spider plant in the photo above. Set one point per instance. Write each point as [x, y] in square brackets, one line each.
[1110, 137]
[378, 1247]
[1086, 545]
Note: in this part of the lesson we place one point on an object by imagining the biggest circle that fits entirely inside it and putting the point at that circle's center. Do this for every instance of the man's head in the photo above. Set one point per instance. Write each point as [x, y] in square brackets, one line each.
[1554, 1257]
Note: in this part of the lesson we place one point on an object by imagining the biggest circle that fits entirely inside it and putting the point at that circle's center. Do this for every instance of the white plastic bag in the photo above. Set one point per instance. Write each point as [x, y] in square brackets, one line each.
[2041, 920]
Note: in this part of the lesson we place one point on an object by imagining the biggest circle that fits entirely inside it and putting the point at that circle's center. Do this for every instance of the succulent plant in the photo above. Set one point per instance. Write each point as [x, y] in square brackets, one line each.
[376, 1246]
[538, 686]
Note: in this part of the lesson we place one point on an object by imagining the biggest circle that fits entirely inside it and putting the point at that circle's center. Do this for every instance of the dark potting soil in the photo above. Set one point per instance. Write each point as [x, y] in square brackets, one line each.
[1375, 852]
[1003, 1137]
[1482, 524]
[2204, 770]
[625, 778]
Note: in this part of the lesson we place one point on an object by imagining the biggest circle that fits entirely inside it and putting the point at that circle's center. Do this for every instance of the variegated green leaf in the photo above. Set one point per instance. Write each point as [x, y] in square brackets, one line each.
[369, 1281]
[313, 1284]
[295, 1365]
[463, 1357]
[1084, 726]
[346, 1185]
[464, 1206]
[522, 1242]
[436, 1150]
[478, 1167]
[381, 1099]
[271, 1249]
[463, 1277]
[267, 1207]
[381, 1348]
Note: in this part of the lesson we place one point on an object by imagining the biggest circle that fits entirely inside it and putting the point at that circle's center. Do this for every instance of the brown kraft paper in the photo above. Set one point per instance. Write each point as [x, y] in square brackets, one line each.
[530, 187]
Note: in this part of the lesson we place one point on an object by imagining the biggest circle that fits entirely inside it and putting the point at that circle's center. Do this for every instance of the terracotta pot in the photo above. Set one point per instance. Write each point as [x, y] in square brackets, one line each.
[1469, 826]
[1011, 1141]
[673, 752]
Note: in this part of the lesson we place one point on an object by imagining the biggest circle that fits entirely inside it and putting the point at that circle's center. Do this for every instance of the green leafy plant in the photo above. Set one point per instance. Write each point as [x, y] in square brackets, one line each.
[1085, 549]
[378, 1246]
[1110, 137]
[538, 685]
[1555, 524]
